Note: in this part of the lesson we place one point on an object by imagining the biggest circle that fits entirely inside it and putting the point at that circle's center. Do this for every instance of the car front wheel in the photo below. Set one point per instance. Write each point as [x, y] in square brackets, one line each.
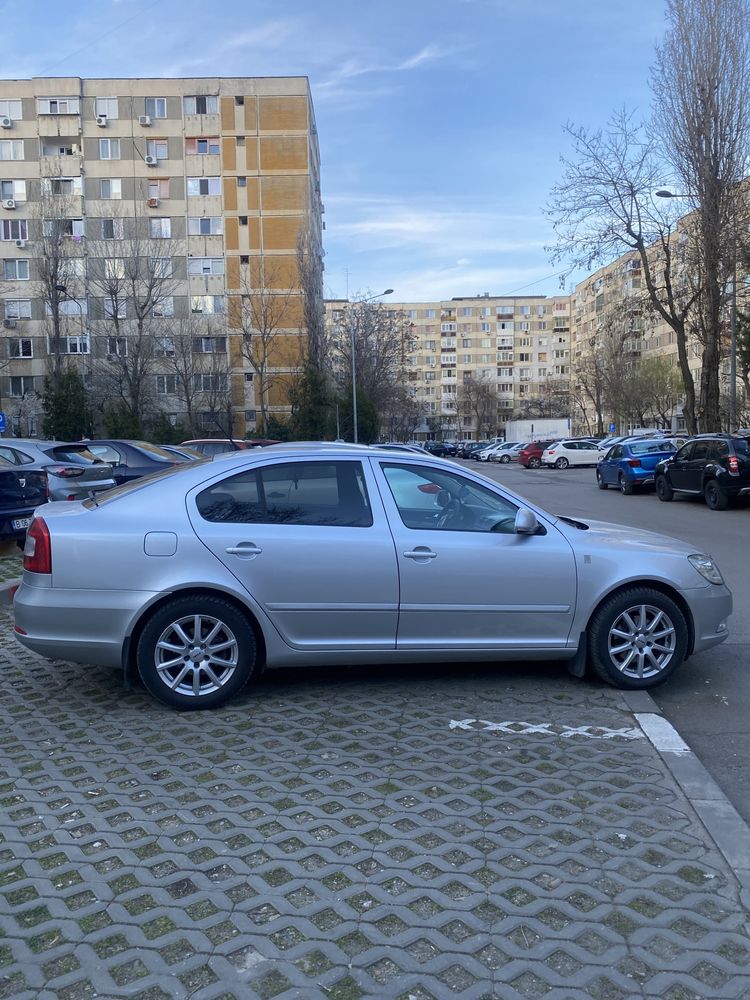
[196, 652]
[637, 638]
[600, 482]
[663, 490]
[505, 459]
[562, 463]
[716, 498]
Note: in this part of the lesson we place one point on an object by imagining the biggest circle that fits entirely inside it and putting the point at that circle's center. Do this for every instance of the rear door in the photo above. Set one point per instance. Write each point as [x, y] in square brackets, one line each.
[309, 540]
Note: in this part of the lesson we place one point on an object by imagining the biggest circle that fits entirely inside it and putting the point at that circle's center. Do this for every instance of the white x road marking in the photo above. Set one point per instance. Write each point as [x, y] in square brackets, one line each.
[546, 729]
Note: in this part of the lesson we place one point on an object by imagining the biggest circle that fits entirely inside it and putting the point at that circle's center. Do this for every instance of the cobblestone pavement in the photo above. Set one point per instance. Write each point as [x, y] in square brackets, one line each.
[332, 835]
[11, 563]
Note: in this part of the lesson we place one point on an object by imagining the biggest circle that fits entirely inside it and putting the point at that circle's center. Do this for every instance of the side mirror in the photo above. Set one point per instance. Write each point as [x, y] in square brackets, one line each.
[526, 522]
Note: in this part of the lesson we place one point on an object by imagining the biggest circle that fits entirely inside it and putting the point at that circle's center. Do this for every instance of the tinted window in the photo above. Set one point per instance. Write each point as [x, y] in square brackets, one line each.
[616, 452]
[71, 453]
[685, 452]
[741, 446]
[719, 449]
[319, 493]
[701, 451]
[106, 453]
[649, 447]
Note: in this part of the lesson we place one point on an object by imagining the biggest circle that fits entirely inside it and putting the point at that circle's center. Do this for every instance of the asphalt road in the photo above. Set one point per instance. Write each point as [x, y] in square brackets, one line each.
[707, 700]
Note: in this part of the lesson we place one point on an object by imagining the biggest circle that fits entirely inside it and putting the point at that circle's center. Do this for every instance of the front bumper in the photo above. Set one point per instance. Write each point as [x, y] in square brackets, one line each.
[710, 607]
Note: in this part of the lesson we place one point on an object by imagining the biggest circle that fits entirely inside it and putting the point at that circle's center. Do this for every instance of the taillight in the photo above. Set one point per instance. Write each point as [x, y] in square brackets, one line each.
[66, 471]
[634, 463]
[37, 552]
[734, 465]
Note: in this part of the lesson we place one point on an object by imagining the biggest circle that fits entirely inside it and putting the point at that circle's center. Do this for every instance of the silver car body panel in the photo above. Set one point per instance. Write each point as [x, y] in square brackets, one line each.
[339, 594]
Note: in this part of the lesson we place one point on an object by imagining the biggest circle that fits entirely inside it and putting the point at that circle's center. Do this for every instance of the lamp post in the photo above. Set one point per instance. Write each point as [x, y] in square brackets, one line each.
[353, 347]
[732, 310]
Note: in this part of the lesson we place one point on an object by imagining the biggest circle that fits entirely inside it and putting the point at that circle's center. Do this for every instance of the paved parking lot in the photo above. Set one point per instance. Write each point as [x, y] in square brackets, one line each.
[470, 832]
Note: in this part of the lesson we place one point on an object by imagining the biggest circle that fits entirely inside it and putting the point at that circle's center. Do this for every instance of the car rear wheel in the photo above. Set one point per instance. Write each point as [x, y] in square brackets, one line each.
[626, 487]
[663, 490]
[637, 638]
[196, 652]
[562, 463]
[600, 482]
[716, 498]
[534, 463]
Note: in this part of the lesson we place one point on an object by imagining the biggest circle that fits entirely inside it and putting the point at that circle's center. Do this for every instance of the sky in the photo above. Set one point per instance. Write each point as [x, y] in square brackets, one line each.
[440, 122]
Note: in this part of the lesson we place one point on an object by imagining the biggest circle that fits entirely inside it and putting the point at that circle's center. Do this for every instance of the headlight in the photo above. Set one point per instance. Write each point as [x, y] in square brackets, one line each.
[706, 567]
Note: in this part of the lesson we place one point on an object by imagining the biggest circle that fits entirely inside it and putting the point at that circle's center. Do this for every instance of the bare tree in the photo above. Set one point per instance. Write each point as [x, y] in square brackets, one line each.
[131, 274]
[701, 84]
[477, 401]
[604, 207]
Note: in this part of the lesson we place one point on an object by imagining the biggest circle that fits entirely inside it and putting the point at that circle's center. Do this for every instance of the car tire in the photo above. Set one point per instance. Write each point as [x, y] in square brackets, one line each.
[562, 463]
[173, 673]
[716, 498]
[663, 490]
[505, 459]
[600, 482]
[534, 463]
[622, 633]
[626, 487]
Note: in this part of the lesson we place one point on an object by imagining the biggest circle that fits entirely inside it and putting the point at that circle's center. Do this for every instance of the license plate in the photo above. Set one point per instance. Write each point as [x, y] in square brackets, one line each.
[21, 522]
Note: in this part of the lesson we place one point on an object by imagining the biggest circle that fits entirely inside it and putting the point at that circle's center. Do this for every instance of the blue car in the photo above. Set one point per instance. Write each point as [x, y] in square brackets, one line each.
[631, 464]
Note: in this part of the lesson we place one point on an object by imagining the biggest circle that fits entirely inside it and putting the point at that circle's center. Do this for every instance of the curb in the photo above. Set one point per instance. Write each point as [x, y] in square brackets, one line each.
[724, 825]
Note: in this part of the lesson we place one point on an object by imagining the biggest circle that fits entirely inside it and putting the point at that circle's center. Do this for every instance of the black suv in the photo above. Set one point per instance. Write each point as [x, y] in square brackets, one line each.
[715, 466]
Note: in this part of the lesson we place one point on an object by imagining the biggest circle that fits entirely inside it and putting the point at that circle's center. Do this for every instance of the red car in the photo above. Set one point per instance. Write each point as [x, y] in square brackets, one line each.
[530, 456]
[218, 446]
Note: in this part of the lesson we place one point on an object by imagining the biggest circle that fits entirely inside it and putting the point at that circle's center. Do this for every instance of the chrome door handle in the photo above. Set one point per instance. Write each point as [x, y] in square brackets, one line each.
[421, 553]
[244, 549]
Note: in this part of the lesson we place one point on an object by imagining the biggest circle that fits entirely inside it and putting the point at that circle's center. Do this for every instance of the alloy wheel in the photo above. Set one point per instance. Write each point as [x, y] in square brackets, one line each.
[196, 655]
[642, 641]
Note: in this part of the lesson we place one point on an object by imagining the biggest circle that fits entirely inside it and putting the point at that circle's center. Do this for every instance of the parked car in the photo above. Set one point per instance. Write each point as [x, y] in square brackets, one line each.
[183, 451]
[483, 455]
[219, 446]
[73, 472]
[22, 490]
[398, 446]
[631, 464]
[439, 448]
[530, 456]
[475, 447]
[562, 454]
[507, 452]
[133, 459]
[714, 466]
[224, 568]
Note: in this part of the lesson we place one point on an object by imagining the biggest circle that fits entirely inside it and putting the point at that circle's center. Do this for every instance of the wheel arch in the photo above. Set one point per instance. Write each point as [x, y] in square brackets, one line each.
[664, 588]
[129, 667]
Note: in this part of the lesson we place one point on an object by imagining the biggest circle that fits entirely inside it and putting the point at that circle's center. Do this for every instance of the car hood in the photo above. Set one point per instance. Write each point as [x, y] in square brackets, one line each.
[620, 536]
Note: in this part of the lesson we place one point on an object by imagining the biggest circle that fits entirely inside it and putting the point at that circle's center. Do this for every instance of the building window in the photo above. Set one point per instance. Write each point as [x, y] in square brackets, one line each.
[15, 190]
[20, 347]
[113, 229]
[205, 226]
[161, 267]
[115, 308]
[18, 308]
[160, 229]
[107, 107]
[158, 187]
[166, 385]
[15, 270]
[14, 229]
[205, 265]
[62, 185]
[73, 345]
[203, 186]
[165, 307]
[158, 148]
[114, 267]
[11, 109]
[156, 107]
[117, 346]
[20, 385]
[58, 105]
[109, 149]
[110, 188]
[242, 182]
[207, 104]
[57, 228]
[203, 382]
[202, 147]
[208, 304]
[11, 149]
[209, 345]
[68, 307]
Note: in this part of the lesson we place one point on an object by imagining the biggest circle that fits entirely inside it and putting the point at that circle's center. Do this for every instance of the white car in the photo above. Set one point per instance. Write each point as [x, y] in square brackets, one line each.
[497, 452]
[562, 454]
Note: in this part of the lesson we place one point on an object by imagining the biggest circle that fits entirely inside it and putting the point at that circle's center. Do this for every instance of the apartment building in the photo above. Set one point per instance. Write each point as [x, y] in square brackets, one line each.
[209, 183]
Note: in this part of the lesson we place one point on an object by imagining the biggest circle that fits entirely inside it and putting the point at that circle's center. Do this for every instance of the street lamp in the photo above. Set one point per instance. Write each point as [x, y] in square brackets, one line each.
[664, 193]
[353, 346]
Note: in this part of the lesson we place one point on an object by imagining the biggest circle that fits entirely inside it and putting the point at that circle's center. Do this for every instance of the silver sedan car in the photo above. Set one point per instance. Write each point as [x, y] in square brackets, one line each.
[201, 576]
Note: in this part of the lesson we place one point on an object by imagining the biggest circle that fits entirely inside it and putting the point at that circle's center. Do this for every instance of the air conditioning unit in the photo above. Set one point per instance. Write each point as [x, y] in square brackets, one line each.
[144, 119]
[150, 161]
[9, 203]
[9, 324]
[152, 202]
[6, 122]
[101, 121]
[21, 244]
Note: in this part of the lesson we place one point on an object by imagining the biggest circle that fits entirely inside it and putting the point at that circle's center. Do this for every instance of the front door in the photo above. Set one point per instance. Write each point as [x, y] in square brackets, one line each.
[309, 541]
[468, 581]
